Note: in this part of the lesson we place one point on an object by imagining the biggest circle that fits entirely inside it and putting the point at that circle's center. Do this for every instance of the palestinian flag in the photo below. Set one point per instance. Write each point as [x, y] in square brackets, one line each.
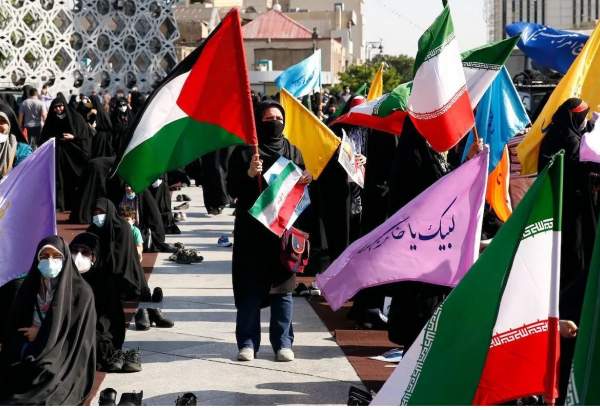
[584, 381]
[495, 338]
[203, 105]
[276, 206]
[387, 113]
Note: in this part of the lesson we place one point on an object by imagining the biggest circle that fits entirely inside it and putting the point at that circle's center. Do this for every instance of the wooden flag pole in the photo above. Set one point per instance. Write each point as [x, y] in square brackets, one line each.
[259, 175]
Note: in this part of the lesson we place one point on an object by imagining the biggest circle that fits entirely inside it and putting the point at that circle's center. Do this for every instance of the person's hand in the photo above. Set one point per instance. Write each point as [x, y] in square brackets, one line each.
[68, 136]
[360, 160]
[255, 166]
[30, 333]
[306, 178]
[476, 148]
[568, 329]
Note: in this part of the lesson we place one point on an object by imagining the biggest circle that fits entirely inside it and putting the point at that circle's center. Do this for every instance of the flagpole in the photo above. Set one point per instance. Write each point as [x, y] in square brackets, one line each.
[259, 175]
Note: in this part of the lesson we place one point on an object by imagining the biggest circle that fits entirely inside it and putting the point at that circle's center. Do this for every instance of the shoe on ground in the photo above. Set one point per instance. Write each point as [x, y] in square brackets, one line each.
[179, 245]
[177, 216]
[188, 399]
[224, 242]
[184, 197]
[115, 363]
[131, 399]
[132, 363]
[157, 295]
[213, 211]
[246, 354]
[158, 319]
[179, 198]
[108, 397]
[301, 290]
[182, 207]
[142, 321]
[285, 355]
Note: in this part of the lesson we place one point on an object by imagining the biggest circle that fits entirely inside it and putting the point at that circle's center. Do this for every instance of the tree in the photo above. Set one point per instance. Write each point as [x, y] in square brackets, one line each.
[399, 69]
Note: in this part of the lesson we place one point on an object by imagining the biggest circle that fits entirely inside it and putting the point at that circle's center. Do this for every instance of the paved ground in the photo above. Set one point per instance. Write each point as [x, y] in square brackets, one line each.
[198, 354]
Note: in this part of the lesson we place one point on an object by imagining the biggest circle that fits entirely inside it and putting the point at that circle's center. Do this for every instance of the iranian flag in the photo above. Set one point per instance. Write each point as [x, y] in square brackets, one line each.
[203, 105]
[279, 205]
[387, 113]
[495, 338]
[439, 104]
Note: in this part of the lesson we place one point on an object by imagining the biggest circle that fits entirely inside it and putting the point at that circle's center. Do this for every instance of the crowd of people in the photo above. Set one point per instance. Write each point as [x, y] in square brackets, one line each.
[73, 294]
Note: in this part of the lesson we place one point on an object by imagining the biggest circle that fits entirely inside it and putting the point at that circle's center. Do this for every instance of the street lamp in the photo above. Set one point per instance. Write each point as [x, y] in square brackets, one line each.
[315, 37]
[371, 45]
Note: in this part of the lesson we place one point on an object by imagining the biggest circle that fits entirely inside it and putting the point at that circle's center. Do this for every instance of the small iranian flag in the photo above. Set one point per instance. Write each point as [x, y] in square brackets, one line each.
[276, 206]
[439, 104]
[203, 105]
[495, 338]
[584, 382]
[387, 113]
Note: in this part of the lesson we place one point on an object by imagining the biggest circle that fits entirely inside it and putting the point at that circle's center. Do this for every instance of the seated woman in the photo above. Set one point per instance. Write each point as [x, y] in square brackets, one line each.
[50, 356]
[119, 255]
[110, 323]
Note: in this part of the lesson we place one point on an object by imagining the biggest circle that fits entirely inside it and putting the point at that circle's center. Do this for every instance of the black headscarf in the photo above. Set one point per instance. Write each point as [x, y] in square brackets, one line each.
[72, 156]
[270, 146]
[110, 328]
[121, 121]
[119, 254]
[59, 366]
[14, 124]
[162, 195]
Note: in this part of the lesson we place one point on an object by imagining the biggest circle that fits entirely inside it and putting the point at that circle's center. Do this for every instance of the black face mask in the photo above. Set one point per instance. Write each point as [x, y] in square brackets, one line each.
[271, 130]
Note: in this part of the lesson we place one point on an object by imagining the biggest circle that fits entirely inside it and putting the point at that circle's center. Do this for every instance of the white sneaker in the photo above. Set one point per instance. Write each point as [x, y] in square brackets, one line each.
[285, 355]
[246, 354]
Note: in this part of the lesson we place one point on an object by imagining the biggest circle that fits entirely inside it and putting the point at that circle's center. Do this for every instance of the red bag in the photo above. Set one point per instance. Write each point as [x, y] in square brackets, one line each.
[295, 249]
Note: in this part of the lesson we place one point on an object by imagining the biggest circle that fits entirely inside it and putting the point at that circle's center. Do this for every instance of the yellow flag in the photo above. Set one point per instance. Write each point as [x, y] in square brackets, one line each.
[580, 81]
[316, 142]
[376, 89]
[497, 188]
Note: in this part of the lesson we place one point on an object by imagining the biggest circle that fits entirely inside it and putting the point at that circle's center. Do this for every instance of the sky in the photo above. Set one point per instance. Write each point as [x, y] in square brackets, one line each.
[400, 23]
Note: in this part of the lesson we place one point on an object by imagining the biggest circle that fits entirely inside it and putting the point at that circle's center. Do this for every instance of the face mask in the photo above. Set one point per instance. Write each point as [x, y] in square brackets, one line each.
[3, 138]
[83, 263]
[130, 196]
[50, 268]
[156, 183]
[99, 220]
[123, 108]
[61, 116]
[272, 129]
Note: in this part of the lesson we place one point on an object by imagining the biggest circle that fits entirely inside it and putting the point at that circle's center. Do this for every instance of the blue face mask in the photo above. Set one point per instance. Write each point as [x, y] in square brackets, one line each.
[130, 196]
[50, 268]
[99, 220]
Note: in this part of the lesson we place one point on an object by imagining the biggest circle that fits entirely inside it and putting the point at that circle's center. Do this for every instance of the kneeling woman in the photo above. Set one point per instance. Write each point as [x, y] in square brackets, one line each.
[51, 355]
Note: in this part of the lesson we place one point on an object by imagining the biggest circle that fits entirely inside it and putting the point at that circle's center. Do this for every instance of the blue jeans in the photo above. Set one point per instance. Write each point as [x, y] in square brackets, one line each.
[247, 326]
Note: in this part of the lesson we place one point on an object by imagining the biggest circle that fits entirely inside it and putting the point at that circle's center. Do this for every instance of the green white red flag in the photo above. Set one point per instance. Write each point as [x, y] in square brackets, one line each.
[203, 105]
[387, 113]
[495, 338]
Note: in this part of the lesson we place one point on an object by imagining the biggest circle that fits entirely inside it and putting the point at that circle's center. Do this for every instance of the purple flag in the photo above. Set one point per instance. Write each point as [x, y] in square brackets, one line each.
[27, 211]
[433, 239]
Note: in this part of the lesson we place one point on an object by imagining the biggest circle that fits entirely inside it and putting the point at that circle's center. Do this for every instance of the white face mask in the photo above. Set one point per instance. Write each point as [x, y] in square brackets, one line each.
[50, 268]
[123, 108]
[130, 196]
[156, 183]
[99, 220]
[83, 263]
[3, 138]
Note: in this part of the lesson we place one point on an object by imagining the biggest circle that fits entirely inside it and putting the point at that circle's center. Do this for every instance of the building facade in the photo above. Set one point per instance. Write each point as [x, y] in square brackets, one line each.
[578, 15]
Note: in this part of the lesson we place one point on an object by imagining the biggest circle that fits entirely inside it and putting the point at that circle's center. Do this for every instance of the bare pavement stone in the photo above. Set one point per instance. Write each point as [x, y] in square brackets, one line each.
[198, 355]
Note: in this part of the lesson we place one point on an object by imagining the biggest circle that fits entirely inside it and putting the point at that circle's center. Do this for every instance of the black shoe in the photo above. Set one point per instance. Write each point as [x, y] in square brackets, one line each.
[158, 319]
[184, 197]
[131, 399]
[108, 397]
[213, 211]
[115, 363]
[142, 321]
[146, 296]
[188, 399]
[157, 295]
[182, 207]
[179, 198]
[132, 363]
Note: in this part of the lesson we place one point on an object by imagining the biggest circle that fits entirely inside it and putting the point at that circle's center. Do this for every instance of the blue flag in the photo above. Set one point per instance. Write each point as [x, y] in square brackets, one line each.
[27, 211]
[302, 78]
[548, 47]
[500, 116]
